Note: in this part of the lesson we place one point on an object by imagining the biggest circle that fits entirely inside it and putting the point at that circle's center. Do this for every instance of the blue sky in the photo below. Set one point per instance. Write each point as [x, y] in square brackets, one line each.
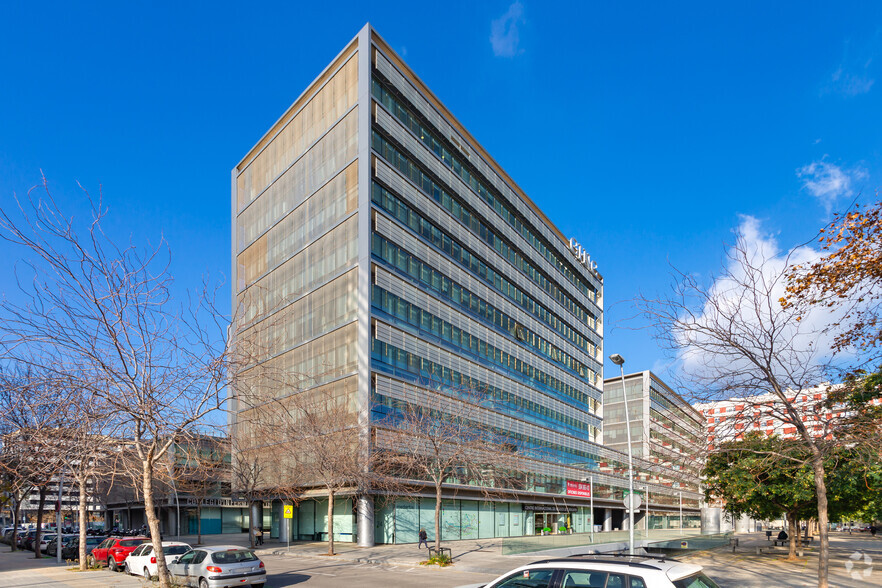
[647, 131]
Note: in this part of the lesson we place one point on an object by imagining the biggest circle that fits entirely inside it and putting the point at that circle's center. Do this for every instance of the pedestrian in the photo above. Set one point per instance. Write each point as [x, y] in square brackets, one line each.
[424, 538]
[258, 536]
[873, 530]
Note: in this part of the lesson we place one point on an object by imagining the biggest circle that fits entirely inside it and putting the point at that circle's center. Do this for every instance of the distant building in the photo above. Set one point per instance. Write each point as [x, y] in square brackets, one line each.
[665, 430]
[731, 419]
[180, 487]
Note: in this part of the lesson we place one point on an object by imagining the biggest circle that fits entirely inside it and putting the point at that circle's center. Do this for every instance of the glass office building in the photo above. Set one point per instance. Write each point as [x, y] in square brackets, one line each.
[375, 244]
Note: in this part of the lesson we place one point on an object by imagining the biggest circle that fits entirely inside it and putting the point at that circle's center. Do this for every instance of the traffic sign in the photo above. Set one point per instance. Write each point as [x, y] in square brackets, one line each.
[289, 511]
[632, 501]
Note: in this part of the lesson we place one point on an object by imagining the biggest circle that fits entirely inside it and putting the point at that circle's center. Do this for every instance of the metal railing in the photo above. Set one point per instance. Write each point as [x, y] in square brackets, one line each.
[518, 545]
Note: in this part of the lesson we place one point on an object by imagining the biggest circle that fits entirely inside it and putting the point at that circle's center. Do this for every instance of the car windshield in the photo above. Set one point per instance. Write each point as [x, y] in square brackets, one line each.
[176, 549]
[698, 580]
[130, 542]
[232, 556]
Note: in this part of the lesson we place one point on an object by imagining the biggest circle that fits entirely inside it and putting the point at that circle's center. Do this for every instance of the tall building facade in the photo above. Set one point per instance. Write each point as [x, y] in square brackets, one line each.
[375, 245]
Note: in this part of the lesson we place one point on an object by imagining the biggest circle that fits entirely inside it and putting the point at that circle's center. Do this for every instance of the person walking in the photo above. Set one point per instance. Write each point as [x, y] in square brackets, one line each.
[424, 538]
[873, 529]
[258, 536]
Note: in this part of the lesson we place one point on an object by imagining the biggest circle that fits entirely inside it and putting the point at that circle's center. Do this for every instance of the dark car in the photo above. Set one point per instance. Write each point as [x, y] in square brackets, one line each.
[71, 549]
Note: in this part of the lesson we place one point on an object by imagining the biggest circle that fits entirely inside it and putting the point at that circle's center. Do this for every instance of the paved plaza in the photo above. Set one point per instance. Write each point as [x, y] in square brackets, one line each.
[856, 561]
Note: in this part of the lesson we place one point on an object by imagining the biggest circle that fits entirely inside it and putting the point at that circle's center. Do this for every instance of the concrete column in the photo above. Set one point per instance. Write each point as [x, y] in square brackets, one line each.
[626, 522]
[365, 521]
[607, 519]
[710, 520]
[743, 524]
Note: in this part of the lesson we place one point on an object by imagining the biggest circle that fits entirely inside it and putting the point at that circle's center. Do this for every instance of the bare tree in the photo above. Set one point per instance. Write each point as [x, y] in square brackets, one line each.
[441, 435]
[733, 339]
[200, 471]
[32, 410]
[107, 313]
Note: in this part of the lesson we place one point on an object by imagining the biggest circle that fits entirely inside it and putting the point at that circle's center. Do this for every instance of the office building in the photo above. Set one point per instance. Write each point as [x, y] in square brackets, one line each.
[376, 244]
[665, 430]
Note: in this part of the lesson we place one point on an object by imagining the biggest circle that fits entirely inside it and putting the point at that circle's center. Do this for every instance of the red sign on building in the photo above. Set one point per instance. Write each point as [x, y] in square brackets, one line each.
[582, 489]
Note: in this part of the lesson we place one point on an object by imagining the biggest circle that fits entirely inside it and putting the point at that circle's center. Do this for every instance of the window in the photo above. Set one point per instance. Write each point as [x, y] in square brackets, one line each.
[175, 549]
[199, 557]
[187, 557]
[233, 556]
[637, 582]
[697, 581]
[528, 579]
[584, 579]
[137, 551]
[616, 581]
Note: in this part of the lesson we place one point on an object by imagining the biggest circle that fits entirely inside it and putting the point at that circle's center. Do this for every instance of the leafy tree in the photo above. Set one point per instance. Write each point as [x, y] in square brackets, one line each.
[846, 280]
[767, 476]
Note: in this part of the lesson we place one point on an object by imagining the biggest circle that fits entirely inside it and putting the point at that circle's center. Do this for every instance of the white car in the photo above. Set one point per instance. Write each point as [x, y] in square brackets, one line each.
[142, 562]
[603, 571]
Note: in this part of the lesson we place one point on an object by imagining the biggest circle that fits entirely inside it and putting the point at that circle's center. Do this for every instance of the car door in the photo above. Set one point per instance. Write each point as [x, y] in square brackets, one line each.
[180, 570]
[134, 560]
[195, 569]
[100, 552]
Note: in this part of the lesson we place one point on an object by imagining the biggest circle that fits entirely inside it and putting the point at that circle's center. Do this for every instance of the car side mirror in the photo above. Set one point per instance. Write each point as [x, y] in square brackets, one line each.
[175, 560]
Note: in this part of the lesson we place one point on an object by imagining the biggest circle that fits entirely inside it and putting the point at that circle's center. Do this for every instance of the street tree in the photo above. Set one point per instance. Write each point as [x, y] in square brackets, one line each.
[106, 313]
[733, 339]
[767, 476]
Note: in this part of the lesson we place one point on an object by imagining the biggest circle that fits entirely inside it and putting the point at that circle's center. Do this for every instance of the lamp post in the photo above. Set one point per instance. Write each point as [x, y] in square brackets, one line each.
[620, 361]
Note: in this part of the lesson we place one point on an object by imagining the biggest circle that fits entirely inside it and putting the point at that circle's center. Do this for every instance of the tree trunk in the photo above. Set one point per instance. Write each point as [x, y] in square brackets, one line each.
[153, 524]
[331, 521]
[39, 522]
[16, 514]
[83, 523]
[437, 514]
[198, 523]
[794, 531]
[821, 491]
[798, 538]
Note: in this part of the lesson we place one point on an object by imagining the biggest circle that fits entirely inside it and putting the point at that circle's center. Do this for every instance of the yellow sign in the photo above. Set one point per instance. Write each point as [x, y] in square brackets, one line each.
[289, 511]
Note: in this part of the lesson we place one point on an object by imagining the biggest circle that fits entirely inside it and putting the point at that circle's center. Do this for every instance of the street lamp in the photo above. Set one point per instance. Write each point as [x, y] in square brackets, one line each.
[620, 361]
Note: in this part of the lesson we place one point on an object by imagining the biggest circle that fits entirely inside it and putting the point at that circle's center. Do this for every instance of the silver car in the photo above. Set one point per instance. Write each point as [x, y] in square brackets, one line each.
[220, 566]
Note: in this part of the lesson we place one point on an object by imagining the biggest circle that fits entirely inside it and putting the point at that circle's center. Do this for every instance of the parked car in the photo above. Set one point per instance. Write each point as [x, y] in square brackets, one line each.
[142, 562]
[113, 551]
[219, 566]
[52, 547]
[599, 571]
[26, 539]
[71, 550]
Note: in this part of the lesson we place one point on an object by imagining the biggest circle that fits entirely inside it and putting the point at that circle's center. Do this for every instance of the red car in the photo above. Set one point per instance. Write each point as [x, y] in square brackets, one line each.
[113, 551]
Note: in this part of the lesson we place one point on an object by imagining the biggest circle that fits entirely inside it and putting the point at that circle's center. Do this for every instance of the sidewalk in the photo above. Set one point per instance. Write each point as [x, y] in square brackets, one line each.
[855, 561]
[19, 569]
[483, 556]
[741, 569]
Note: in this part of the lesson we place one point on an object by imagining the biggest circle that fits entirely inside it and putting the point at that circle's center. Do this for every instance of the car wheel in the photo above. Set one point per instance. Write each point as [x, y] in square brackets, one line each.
[147, 574]
[111, 563]
[90, 562]
[203, 583]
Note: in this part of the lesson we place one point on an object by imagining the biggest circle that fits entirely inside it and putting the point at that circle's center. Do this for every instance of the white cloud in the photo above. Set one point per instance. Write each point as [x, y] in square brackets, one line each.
[829, 182]
[745, 298]
[504, 37]
[849, 84]
[854, 75]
